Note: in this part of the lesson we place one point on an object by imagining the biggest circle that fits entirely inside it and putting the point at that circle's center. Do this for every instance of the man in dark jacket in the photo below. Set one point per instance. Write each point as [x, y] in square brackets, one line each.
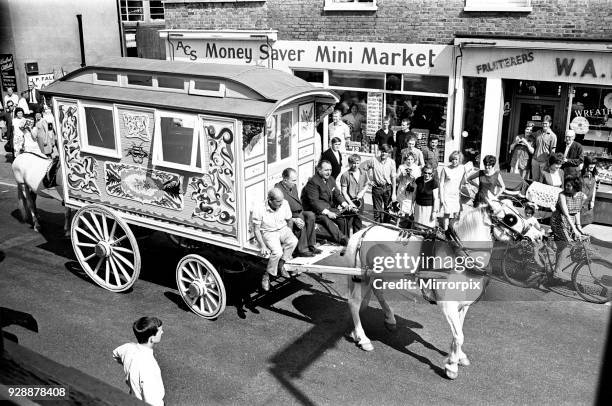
[321, 195]
[573, 155]
[303, 221]
[334, 157]
[401, 141]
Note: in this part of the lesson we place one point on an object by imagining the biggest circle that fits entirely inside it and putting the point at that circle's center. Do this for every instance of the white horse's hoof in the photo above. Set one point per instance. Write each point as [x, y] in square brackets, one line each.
[365, 345]
[450, 373]
[464, 362]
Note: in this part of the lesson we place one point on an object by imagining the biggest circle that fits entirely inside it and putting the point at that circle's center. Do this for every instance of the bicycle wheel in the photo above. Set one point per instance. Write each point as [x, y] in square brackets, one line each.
[521, 271]
[593, 282]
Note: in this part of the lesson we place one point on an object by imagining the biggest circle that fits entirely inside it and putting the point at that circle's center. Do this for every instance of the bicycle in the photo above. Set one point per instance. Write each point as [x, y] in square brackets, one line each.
[591, 276]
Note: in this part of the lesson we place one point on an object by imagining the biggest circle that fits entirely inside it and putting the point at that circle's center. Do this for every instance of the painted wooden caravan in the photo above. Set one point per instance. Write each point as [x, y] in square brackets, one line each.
[177, 147]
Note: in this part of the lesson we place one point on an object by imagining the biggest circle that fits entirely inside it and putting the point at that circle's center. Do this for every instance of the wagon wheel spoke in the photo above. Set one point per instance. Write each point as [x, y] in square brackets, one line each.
[123, 259]
[122, 249]
[105, 227]
[107, 274]
[115, 273]
[85, 233]
[98, 226]
[92, 229]
[87, 258]
[112, 232]
[118, 240]
[85, 244]
[98, 266]
[126, 275]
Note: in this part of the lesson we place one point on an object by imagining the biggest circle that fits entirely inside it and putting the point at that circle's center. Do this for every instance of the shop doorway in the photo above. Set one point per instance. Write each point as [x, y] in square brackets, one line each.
[534, 111]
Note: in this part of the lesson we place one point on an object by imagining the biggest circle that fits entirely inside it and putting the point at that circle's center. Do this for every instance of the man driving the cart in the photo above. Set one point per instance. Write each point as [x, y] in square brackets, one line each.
[273, 223]
[322, 196]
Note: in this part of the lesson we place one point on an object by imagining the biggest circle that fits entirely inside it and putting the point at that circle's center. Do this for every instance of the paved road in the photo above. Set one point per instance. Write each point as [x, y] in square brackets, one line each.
[541, 348]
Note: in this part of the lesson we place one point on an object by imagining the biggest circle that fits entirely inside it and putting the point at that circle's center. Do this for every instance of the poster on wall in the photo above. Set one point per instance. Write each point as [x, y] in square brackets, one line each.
[374, 116]
[7, 71]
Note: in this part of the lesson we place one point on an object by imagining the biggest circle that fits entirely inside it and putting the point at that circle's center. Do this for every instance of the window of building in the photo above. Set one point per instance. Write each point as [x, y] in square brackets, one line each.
[279, 130]
[139, 80]
[132, 10]
[520, 6]
[176, 144]
[425, 83]
[98, 130]
[350, 5]
[315, 77]
[591, 119]
[156, 10]
[364, 80]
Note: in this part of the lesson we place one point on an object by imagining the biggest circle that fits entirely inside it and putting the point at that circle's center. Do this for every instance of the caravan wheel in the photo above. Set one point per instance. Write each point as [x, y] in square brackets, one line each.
[200, 286]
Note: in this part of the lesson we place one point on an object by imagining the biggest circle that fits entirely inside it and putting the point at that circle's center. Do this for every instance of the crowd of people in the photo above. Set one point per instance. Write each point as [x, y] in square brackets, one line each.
[26, 123]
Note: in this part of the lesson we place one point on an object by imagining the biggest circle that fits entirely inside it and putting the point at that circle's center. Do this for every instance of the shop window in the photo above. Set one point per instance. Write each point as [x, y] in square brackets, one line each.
[591, 118]
[393, 81]
[169, 82]
[520, 6]
[425, 83]
[364, 80]
[537, 88]
[132, 10]
[176, 142]
[354, 108]
[139, 80]
[279, 130]
[473, 115]
[99, 130]
[309, 76]
[350, 5]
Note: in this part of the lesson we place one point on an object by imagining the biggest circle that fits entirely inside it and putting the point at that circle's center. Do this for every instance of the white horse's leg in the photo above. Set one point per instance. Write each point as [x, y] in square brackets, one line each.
[359, 296]
[463, 358]
[30, 199]
[390, 322]
[22, 202]
[450, 309]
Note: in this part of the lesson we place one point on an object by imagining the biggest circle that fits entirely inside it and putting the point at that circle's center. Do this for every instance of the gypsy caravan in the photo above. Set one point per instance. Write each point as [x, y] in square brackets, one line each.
[181, 148]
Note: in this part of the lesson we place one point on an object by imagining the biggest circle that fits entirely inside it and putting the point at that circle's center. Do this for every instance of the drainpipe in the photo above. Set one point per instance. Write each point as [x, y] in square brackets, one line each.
[81, 41]
[121, 34]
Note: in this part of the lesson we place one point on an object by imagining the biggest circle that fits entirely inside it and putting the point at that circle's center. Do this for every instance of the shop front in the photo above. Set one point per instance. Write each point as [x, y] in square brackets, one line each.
[504, 85]
[372, 79]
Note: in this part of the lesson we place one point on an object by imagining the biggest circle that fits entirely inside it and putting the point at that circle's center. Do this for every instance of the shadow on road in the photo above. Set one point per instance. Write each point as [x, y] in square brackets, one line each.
[330, 319]
[9, 317]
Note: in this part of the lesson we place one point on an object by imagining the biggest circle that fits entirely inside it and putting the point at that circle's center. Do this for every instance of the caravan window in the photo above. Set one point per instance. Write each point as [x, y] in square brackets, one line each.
[98, 130]
[176, 142]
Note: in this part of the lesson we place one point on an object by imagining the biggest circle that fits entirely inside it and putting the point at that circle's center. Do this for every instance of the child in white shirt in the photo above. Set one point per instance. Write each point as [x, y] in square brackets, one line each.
[142, 373]
[534, 232]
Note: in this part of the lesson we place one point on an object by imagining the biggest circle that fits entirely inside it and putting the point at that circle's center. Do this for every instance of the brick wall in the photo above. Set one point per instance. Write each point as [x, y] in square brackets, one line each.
[409, 21]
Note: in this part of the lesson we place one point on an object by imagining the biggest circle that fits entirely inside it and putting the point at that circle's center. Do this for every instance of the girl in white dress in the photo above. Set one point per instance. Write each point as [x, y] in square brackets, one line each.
[451, 180]
[407, 173]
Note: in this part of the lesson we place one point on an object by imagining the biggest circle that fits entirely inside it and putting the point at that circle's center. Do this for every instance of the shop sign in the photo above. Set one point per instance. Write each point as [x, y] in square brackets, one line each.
[284, 55]
[551, 65]
[7, 71]
[42, 80]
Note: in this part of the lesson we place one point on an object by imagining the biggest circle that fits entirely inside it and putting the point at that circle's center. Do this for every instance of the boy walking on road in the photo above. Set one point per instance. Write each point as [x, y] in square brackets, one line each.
[142, 373]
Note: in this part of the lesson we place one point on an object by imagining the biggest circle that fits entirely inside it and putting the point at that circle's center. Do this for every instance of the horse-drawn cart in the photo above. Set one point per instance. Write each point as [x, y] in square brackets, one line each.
[181, 148]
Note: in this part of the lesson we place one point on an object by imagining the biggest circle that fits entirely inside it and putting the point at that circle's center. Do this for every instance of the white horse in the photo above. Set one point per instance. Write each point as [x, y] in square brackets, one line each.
[473, 231]
[30, 171]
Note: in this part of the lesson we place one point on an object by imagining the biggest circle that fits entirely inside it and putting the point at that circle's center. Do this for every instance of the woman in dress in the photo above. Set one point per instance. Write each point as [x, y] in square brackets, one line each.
[565, 221]
[407, 173]
[553, 174]
[489, 180]
[521, 150]
[589, 187]
[451, 180]
[426, 198]
[18, 134]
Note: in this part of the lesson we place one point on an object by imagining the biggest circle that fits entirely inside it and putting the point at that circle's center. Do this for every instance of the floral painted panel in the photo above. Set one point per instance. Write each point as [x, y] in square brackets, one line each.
[149, 186]
[81, 170]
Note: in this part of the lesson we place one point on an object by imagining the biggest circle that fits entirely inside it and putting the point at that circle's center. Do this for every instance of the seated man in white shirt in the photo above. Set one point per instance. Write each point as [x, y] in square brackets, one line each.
[273, 225]
[142, 373]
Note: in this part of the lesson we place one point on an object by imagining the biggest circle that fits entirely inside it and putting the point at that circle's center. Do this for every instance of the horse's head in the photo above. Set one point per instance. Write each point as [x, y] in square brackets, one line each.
[473, 229]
